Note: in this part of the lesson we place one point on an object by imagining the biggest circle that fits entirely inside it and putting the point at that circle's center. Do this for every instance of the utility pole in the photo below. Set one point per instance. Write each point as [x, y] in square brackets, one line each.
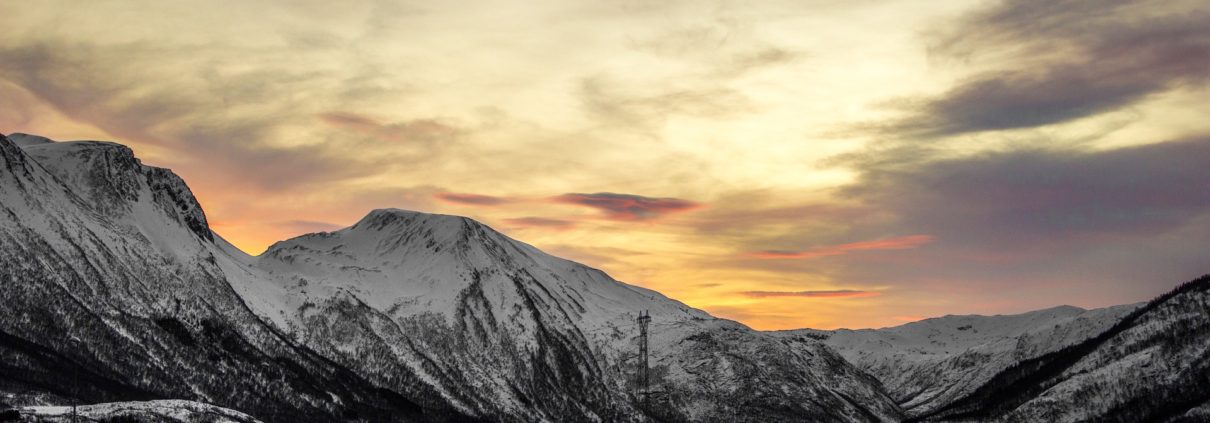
[644, 319]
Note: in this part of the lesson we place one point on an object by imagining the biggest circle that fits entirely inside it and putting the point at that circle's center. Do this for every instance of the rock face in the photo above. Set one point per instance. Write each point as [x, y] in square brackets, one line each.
[111, 275]
[930, 363]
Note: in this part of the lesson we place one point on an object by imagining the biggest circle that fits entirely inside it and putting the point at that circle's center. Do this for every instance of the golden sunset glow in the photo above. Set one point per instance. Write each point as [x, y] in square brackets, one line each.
[784, 164]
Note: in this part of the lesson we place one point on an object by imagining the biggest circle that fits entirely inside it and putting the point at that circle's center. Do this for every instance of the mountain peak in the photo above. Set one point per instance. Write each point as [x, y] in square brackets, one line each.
[397, 227]
[389, 231]
[114, 181]
[379, 219]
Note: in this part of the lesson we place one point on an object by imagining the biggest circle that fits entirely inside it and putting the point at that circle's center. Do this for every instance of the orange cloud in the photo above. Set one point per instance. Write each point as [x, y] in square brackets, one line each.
[628, 207]
[840, 293]
[899, 243]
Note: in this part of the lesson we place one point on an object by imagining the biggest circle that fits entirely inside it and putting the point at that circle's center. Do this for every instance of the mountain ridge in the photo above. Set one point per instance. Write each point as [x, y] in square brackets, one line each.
[928, 363]
[105, 279]
[110, 270]
[441, 316]
[1172, 388]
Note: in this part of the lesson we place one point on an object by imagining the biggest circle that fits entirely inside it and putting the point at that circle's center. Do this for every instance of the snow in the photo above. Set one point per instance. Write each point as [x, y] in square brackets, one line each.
[177, 410]
[414, 268]
[430, 305]
[928, 363]
[26, 140]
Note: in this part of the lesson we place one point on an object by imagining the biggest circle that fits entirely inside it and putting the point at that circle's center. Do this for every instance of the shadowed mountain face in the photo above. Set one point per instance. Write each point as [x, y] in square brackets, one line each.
[111, 274]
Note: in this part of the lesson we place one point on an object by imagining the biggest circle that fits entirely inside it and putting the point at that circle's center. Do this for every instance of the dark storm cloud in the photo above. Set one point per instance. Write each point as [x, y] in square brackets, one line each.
[1056, 61]
[628, 207]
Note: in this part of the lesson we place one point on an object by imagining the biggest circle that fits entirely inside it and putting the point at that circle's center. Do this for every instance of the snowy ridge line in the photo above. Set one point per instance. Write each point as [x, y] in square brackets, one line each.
[404, 316]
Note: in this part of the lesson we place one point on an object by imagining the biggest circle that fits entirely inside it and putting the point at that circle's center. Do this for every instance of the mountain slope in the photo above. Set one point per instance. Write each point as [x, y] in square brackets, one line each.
[506, 331]
[929, 363]
[110, 272]
[111, 292]
[1153, 365]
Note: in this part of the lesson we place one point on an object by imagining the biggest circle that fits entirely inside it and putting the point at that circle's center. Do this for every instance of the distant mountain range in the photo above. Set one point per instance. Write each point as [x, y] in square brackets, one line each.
[116, 293]
[927, 364]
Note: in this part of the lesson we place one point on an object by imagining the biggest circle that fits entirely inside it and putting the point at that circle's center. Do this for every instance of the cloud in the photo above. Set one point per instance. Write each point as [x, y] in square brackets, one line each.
[628, 207]
[1015, 227]
[743, 213]
[540, 222]
[697, 62]
[1057, 61]
[426, 131]
[471, 199]
[150, 95]
[840, 293]
[643, 108]
[1028, 224]
[745, 314]
[898, 243]
[1031, 197]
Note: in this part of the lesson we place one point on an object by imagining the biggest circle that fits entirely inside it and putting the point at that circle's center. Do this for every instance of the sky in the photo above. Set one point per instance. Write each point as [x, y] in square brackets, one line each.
[786, 164]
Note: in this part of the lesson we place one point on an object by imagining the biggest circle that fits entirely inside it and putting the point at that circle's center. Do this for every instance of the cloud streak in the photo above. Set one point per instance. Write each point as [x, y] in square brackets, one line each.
[840, 293]
[427, 131]
[540, 222]
[478, 200]
[897, 243]
[628, 207]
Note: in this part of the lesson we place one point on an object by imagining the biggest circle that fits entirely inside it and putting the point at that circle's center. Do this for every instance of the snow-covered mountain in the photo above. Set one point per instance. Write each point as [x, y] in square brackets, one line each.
[114, 290]
[506, 331]
[110, 274]
[929, 363]
[1152, 365]
[111, 291]
[1129, 363]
